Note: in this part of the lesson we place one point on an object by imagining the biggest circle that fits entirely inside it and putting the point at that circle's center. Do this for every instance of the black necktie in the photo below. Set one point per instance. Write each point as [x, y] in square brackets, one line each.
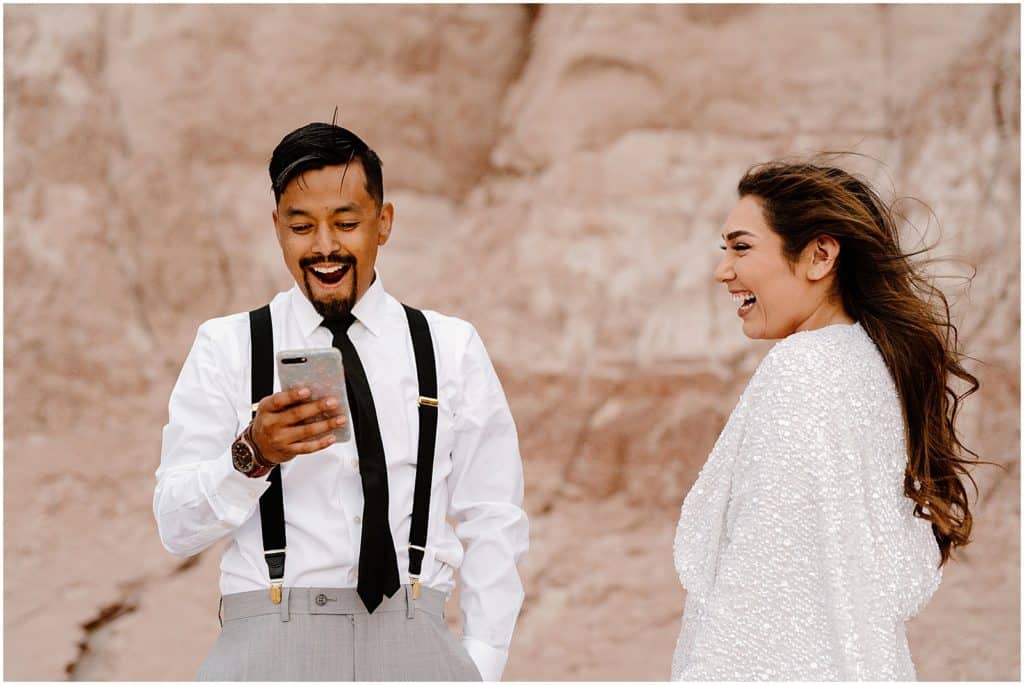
[378, 565]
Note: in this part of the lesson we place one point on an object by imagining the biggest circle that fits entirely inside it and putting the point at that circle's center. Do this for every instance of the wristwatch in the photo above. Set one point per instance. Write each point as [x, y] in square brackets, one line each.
[246, 457]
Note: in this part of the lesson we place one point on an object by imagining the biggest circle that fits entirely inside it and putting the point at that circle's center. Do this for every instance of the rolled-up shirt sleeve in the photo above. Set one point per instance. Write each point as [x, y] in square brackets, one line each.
[199, 496]
[485, 500]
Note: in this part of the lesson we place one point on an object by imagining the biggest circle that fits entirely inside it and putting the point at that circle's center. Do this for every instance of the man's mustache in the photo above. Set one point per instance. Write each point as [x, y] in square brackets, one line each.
[306, 262]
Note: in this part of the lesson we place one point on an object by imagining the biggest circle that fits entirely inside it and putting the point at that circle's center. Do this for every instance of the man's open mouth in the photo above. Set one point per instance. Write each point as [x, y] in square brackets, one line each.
[329, 274]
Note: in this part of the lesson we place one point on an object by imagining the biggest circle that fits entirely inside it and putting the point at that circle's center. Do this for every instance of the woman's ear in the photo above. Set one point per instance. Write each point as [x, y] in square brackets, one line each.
[823, 253]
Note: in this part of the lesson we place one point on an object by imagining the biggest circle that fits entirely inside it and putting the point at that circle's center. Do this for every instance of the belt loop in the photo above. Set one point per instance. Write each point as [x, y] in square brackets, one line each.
[286, 594]
[410, 605]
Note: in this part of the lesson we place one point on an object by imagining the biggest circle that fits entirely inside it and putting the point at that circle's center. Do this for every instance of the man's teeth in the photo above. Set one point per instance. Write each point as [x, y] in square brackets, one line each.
[743, 298]
[328, 269]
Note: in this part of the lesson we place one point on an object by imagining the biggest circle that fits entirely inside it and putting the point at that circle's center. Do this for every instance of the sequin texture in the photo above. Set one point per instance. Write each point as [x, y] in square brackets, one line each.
[800, 554]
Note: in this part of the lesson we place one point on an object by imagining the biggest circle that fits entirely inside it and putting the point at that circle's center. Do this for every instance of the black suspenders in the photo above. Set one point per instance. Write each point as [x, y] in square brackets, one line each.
[426, 375]
[272, 501]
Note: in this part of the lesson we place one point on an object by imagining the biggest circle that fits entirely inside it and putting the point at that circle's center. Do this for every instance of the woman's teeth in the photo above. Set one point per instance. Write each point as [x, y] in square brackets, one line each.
[743, 298]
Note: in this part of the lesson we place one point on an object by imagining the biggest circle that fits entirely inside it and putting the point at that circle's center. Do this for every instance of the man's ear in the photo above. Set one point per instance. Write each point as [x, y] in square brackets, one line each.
[387, 217]
[277, 232]
[822, 253]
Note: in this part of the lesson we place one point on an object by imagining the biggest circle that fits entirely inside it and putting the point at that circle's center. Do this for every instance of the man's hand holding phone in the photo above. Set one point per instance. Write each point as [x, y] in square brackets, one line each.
[278, 429]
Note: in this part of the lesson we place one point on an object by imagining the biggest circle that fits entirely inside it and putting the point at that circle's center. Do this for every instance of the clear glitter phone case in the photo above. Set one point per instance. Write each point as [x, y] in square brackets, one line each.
[321, 371]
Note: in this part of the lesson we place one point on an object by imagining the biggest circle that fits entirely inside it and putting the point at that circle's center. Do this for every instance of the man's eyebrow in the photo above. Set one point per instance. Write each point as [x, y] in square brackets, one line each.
[737, 234]
[350, 207]
[295, 211]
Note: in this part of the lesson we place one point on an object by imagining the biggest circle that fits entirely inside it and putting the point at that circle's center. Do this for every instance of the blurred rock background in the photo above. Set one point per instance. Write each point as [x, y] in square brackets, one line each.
[560, 175]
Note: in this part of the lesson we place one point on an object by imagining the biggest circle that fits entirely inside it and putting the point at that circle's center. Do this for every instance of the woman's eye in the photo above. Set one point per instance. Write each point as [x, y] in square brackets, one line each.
[740, 247]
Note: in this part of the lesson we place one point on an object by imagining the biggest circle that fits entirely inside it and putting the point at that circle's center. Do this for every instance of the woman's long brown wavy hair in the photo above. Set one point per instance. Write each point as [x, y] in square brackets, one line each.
[904, 313]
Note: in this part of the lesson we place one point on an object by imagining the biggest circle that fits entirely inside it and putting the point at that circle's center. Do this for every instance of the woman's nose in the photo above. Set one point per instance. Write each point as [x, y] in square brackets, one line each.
[724, 272]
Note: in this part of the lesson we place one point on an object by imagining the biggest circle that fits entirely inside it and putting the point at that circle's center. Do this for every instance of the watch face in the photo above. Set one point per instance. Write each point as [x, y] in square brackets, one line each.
[241, 456]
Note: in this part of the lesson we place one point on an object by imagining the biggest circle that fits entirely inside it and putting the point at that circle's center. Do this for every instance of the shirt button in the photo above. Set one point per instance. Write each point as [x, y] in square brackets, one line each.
[357, 519]
[355, 463]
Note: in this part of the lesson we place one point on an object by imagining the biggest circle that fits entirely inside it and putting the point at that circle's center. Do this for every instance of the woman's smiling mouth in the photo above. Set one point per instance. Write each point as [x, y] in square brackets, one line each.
[745, 299]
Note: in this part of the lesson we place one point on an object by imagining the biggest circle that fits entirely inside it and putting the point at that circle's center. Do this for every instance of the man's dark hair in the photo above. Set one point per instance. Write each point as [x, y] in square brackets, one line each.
[318, 145]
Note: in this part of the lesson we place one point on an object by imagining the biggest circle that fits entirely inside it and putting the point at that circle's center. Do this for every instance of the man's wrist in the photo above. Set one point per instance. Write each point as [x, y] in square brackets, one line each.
[246, 456]
[257, 455]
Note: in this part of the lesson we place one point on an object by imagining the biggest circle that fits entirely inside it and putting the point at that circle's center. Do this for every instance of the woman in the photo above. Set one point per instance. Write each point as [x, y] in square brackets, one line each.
[834, 494]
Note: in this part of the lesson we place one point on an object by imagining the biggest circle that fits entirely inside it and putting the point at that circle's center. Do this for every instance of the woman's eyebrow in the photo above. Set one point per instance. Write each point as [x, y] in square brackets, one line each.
[736, 234]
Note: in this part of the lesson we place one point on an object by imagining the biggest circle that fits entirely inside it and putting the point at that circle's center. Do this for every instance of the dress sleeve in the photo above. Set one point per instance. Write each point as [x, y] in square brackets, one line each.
[797, 594]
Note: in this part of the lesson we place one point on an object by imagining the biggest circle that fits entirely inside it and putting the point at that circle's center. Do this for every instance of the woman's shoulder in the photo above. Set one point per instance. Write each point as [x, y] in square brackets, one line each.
[836, 351]
[834, 366]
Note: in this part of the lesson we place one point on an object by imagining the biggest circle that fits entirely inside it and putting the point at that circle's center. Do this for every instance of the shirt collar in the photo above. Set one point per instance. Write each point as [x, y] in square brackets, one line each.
[369, 310]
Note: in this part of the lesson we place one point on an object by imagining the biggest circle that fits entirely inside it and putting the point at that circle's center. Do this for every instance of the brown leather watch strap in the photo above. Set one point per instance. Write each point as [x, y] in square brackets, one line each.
[257, 456]
[262, 466]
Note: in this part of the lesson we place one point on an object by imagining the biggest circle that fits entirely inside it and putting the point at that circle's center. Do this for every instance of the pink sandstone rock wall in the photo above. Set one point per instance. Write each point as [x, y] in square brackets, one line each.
[560, 174]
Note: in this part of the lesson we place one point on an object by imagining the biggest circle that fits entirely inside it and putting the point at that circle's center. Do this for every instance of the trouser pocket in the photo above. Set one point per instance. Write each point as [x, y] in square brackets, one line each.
[464, 667]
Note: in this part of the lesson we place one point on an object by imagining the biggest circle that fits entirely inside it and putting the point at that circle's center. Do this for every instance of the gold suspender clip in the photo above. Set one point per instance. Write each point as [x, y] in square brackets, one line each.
[428, 401]
[416, 579]
[275, 584]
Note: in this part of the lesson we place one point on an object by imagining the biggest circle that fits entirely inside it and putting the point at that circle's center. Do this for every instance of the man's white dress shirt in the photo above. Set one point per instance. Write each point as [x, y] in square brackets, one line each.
[477, 482]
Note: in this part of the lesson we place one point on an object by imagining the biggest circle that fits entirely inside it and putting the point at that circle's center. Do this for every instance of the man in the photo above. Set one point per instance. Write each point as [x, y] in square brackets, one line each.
[324, 583]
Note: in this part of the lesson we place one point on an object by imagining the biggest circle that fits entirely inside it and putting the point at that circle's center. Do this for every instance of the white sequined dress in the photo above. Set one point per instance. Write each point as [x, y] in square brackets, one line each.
[800, 554]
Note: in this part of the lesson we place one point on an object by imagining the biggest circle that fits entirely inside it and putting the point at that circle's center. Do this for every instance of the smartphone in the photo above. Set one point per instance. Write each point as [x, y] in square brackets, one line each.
[321, 371]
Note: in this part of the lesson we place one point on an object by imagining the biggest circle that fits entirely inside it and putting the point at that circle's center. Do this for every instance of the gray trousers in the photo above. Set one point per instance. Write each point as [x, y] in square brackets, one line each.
[326, 634]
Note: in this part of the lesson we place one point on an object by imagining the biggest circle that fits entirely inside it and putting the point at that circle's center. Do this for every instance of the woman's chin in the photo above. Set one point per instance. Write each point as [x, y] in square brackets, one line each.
[756, 330]
[752, 331]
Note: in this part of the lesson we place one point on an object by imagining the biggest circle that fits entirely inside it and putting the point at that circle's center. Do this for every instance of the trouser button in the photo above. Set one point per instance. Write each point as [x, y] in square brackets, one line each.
[321, 599]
